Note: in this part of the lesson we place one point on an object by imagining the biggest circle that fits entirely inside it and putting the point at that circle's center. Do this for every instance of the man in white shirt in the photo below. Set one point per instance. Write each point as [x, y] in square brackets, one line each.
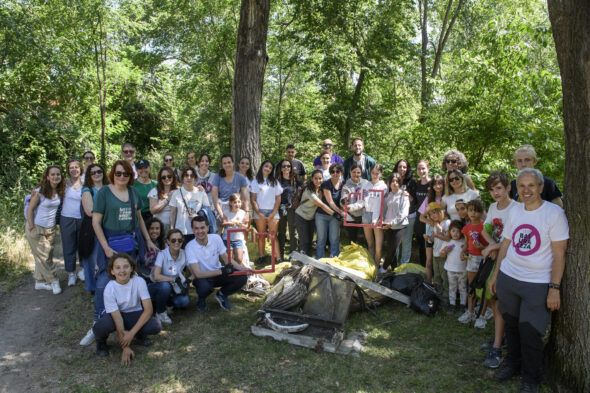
[203, 256]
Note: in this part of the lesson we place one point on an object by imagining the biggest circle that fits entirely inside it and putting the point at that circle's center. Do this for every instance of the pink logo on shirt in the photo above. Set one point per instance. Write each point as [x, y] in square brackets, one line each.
[526, 240]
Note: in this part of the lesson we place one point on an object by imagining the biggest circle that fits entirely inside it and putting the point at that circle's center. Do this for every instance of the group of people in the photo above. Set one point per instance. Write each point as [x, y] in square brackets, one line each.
[180, 223]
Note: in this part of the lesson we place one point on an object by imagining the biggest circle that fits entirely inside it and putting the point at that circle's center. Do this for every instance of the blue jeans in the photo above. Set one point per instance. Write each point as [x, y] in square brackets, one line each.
[70, 230]
[89, 265]
[327, 228]
[406, 246]
[229, 285]
[163, 295]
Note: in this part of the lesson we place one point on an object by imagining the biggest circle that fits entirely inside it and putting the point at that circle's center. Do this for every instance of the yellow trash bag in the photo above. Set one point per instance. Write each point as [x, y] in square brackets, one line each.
[354, 259]
[279, 267]
[410, 268]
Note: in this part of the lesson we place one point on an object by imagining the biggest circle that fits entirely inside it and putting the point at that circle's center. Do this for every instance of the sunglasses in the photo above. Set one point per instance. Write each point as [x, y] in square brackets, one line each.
[452, 179]
[189, 175]
[128, 151]
[451, 161]
[97, 172]
[172, 241]
[335, 171]
[89, 158]
[285, 166]
[122, 174]
[166, 177]
[327, 145]
[168, 159]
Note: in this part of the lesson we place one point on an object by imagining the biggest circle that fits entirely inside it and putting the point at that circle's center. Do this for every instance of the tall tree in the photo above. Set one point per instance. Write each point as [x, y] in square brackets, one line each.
[570, 339]
[251, 59]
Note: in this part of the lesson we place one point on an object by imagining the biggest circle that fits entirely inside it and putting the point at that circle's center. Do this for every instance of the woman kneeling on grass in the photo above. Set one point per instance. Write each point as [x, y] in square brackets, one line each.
[128, 309]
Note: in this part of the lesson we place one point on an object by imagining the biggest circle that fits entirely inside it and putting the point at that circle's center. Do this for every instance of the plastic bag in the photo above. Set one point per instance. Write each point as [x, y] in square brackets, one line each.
[410, 268]
[403, 283]
[424, 299]
[354, 259]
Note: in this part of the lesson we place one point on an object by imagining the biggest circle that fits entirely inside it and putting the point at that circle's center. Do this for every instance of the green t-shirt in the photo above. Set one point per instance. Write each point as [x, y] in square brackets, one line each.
[307, 207]
[143, 190]
[116, 215]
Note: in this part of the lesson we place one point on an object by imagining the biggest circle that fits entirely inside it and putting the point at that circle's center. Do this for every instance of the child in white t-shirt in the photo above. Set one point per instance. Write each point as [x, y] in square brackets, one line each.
[439, 237]
[128, 309]
[455, 266]
[235, 220]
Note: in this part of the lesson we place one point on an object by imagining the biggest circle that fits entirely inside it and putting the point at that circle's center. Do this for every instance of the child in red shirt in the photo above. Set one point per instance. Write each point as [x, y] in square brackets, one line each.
[474, 243]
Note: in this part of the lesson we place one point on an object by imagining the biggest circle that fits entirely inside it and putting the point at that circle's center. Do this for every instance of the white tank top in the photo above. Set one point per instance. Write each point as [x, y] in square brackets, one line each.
[46, 211]
[72, 201]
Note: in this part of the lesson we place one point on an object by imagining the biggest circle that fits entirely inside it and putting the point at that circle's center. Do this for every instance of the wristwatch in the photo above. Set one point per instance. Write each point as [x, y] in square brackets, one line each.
[554, 285]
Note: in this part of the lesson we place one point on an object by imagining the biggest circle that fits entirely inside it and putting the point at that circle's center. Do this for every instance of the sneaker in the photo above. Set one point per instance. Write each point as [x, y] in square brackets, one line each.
[71, 279]
[489, 314]
[480, 323]
[202, 305]
[40, 285]
[487, 346]
[87, 339]
[466, 317]
[223, 301]
[102, 349]
[526, 387]
[81, 275]
[164, 318]
[55, 287]
[381, 270]
[493, 358]
[507, 371]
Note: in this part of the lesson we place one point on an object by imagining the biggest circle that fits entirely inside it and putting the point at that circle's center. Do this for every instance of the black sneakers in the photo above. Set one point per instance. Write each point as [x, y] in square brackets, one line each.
[102, 349]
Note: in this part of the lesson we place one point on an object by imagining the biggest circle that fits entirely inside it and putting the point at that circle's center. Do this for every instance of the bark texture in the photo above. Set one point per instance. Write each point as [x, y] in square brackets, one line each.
[251, 59]
[569, 344]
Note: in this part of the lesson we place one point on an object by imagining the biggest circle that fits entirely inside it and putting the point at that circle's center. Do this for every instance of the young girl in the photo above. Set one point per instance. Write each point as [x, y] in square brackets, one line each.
[455, 266]
[395, 219]
[440, 227]
[475, 242]
[374, 235]
[461, 207]
[128, 309]
[435, 193]
[41, 227]
[167, 277]
[235, 220]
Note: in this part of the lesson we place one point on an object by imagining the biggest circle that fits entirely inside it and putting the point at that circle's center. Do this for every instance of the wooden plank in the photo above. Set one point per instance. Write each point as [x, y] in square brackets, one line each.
[343, 274]
[317, 344]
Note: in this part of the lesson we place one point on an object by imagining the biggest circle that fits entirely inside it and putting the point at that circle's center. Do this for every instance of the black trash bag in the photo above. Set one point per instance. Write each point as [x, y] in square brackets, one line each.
[424, 299]
[403, 283]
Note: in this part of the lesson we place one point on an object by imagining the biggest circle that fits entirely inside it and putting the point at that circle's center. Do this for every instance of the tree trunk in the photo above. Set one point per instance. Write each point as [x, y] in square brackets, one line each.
[424, 95]
[251, 59]
[569, 344]
[353, 108]
[100, 57]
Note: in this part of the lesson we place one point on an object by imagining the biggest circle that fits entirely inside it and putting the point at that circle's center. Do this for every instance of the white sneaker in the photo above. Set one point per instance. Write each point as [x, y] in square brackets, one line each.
[71, 279]
[40, 285]
[466, 317]
[81, 275]
[489, 314]
[55, 287]
[164, 318]
[87, 339]
[480, 323]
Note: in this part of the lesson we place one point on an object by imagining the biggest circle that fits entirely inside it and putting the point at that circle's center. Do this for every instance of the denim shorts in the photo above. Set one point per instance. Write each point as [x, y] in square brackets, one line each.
[266, 213]
[473, 263]
[368, 218]
[236, 243]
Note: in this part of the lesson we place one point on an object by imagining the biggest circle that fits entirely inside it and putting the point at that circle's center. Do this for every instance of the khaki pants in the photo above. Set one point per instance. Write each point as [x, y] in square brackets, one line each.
[440, 277]
[41, 241]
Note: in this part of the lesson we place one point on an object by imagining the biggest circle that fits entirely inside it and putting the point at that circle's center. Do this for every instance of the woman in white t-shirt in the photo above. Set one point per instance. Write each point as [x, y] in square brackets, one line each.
[266, 200]
[41, 227]
[160, 196]
[528, 276]
[71, 219]
[169, 286]
[185, 203]
[128, 308]
[456, 188]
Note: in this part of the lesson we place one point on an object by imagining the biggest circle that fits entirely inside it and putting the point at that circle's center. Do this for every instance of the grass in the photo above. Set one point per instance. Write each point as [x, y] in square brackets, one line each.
[215, 352]
[14, 258]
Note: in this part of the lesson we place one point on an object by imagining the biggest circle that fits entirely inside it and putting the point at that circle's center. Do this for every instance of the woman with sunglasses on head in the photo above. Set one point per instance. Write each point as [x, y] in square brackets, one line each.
[169, 162]
[454, 159]
[205, 176]
[290, 183]
[159, 197]
[328, 225]
[41, 226]
[456, 189]
[71, 220]
[118, 225]
[167, 288]
[185, 203]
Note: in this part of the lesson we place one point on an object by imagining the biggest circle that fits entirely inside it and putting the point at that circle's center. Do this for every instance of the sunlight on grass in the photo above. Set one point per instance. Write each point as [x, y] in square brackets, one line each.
[15, 258]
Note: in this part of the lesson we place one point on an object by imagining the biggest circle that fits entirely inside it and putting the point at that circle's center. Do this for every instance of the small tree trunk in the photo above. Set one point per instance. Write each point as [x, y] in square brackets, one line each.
[251, 59]
[569, 344]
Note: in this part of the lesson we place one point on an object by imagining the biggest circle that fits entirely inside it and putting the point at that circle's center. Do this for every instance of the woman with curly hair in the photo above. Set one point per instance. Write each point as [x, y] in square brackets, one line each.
[454, 159]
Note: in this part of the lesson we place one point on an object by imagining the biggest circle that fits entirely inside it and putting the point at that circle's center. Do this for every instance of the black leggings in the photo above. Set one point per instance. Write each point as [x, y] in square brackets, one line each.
[392, 239]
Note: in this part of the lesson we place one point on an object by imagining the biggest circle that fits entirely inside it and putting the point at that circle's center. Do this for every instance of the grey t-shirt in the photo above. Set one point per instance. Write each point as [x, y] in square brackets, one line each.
[225, 189]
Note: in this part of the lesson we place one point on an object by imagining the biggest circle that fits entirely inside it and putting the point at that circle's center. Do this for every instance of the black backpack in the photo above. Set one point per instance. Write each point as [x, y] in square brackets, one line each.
[481, 279]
